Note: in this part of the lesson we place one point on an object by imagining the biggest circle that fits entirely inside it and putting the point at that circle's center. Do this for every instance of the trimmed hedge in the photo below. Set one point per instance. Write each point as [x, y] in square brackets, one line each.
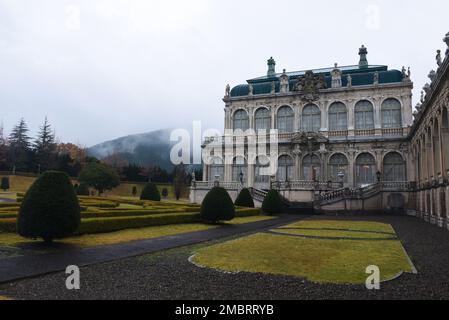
[244, 199]
[217, 206]
[272, 204]
[104, 224]
[150, 192]
[50, 209]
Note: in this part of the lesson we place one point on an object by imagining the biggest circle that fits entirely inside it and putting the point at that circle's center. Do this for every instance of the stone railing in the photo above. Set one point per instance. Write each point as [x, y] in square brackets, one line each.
[210, 184]
[370, 132]
[393, 132]
[257, 194]
[341, 133]
[363, 193]
[304, 185]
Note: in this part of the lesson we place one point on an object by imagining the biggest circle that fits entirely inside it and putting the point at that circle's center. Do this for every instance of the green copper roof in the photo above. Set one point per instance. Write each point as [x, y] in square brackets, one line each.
[360, 77]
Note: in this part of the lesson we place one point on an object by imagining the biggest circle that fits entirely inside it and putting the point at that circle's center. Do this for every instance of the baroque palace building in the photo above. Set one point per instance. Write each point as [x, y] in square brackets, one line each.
[348, 139]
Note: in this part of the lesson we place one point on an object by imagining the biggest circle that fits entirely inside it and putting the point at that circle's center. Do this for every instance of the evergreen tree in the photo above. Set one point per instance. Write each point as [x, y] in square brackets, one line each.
[179, 181]
[20, 146]
[45, 146]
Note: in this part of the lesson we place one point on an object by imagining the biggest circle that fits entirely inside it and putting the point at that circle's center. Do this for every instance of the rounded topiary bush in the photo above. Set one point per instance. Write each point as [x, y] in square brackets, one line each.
[272, 204]
[217, 206]
[50, 209]
[82, 190]
[150, 192]
[5, 184]
[244, 199]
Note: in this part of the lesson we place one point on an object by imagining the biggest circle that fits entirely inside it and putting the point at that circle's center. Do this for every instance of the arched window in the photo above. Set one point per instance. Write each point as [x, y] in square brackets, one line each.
[262, 165]
[338, 168]
[285, 119]
[311, 118]
[241, 120]
[311, 166]
[394, 167]
[286, 169]
[216, 169]
[365, 169]
[239, 166]
[391, 114]
[364, 115]
[338, 117]
[263, 119]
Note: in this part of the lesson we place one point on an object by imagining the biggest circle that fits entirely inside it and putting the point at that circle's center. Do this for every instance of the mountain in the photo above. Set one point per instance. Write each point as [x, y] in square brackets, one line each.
[152, 148]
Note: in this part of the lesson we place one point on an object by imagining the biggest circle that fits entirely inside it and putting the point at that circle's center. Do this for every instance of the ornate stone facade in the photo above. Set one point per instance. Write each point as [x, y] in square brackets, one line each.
[345, 134]
[429, 146]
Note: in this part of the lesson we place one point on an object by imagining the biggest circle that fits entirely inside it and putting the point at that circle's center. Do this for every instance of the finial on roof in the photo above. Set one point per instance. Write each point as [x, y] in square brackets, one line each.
[446, 40]
[271, 67]
[363, 52]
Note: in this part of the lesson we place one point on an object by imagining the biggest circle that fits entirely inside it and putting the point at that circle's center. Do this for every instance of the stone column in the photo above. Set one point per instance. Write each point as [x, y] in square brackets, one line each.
[296, 120]
[351, 119]
[377, 116]
[447, 207]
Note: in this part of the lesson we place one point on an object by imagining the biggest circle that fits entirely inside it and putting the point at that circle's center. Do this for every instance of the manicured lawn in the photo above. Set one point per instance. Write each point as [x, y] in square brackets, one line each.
[322, 261]
[90, 240]
[335, 234]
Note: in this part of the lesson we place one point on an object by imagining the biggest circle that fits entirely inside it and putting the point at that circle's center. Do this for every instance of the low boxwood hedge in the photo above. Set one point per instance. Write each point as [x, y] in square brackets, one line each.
[98, 223]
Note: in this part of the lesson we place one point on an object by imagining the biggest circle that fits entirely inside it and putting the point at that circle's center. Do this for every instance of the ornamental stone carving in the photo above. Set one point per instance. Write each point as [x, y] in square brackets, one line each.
[310, 85]
[308, 142]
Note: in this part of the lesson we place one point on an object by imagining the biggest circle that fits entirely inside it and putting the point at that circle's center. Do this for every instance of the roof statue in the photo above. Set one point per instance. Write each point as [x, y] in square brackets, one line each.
[438, 58]
[271, 67]
[376, 78]
[251, 89]
[363, 52]
[446, 40]
[349, 80]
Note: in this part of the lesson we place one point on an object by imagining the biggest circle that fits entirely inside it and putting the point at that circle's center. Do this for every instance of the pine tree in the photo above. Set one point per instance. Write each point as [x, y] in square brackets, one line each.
[45, 146]
[20, 146]
[179, 180]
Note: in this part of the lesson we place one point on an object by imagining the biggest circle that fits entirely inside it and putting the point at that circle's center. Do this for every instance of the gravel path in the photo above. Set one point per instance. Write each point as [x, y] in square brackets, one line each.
[168, 275]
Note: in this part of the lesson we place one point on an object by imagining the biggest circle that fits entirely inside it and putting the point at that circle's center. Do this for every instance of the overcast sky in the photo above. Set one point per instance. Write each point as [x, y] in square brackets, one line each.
[100, 69]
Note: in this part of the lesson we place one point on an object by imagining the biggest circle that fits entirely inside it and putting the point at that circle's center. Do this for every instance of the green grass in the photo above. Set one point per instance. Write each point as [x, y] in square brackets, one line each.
[322, 261]
[335, 234]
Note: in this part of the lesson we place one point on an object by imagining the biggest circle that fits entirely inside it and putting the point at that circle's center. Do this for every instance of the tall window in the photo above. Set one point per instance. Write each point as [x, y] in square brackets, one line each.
[286, 169]
[365, 169]
[263, 119]
[239, 166]
[391, 114]
[364, 115]
[262, 164]
[338, 117]
[285, 119]
[216, 169]
[311, 118]
[311, 166]
[394, 167]
[338, 168]
[241, 120]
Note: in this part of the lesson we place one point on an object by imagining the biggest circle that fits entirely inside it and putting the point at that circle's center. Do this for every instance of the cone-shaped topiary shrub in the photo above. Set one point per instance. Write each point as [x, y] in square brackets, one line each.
[50, 209]
[82, 190]
[272, 204]
[217, 206]
[244, 199]
[150, 192]
[5, 184]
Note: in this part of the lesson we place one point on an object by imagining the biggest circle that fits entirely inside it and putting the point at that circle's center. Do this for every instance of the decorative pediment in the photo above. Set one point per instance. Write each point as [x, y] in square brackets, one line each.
[308, 141]
[309, 86]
